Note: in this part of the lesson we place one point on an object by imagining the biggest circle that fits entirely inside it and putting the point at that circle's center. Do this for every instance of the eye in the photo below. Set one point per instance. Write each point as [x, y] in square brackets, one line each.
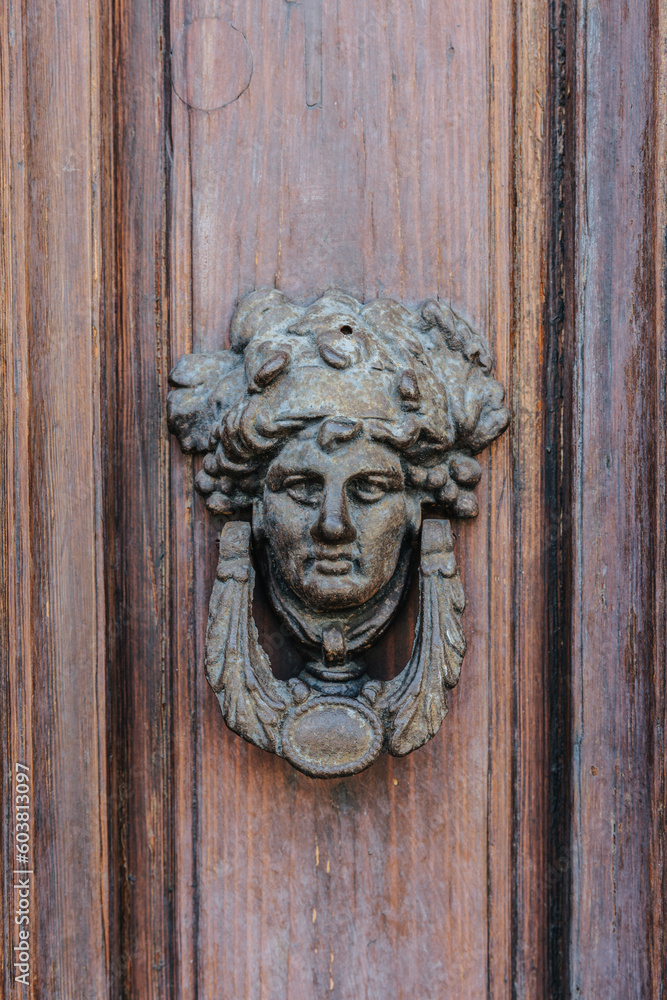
[304, 490]
[368, 490]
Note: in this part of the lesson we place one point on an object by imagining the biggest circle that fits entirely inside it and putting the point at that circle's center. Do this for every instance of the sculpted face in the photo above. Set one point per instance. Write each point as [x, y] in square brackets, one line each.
[335, 521]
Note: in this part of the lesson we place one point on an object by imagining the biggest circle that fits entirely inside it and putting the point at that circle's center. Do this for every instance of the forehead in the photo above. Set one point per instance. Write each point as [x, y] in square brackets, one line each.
[361, 454]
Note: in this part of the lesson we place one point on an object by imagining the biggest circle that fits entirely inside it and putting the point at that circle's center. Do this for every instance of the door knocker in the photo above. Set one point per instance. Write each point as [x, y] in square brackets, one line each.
[331, 425]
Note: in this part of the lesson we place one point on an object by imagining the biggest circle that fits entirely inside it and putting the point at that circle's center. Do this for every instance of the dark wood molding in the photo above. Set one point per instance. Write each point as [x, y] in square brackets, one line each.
[615, 347]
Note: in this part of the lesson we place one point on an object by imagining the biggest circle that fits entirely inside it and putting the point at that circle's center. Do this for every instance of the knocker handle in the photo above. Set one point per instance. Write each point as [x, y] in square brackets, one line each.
[321, 732]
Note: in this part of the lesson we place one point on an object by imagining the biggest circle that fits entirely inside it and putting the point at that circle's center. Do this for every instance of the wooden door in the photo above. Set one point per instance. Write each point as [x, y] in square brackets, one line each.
[507, 157]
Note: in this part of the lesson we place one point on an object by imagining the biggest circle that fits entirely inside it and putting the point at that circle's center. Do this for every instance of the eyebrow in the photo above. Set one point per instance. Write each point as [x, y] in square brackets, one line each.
[392, 474]
[278, 473]
[382, 473]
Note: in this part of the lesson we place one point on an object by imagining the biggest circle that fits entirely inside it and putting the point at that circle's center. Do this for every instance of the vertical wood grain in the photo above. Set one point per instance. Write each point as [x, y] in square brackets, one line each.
[187, 647]
[500, 937]
[141, 674]
[529, 529]
[657, 847]
[55, 160]
[618, 456]
[558, 400]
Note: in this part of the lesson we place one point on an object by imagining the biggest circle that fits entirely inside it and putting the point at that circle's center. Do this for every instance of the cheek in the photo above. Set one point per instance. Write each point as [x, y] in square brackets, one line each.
[382, 527]
[285, 523]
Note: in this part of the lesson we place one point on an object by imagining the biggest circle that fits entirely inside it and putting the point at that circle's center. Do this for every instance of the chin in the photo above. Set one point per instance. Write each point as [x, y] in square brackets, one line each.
[328, 593]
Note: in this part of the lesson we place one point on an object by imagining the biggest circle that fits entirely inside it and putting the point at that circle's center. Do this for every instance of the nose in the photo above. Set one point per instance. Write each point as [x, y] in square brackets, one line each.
[333, 525]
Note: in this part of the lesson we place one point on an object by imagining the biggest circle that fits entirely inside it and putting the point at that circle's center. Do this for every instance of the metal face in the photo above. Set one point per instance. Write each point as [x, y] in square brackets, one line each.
[335, 521]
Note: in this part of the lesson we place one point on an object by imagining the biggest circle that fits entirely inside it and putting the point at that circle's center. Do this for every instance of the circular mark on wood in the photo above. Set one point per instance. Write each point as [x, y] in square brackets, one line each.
[211, 64]
[328, 737]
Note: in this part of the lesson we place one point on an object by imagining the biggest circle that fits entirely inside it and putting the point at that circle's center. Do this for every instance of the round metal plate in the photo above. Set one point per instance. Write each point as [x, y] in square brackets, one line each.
[329, 737]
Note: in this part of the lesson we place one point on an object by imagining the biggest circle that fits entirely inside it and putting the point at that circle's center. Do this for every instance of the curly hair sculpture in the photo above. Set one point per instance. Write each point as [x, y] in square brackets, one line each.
[418, 381]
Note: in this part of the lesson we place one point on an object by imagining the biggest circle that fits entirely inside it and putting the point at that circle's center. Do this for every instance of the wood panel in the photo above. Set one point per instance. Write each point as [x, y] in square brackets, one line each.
[54, 183]
[617, 329]
[402, 182]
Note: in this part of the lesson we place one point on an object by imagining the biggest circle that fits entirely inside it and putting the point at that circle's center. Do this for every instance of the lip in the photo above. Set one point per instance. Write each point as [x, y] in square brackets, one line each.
[333, 567]
[333, 563]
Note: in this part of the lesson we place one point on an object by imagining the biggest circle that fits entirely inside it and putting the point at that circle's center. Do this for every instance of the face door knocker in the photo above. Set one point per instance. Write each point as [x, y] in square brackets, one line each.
[332, 425]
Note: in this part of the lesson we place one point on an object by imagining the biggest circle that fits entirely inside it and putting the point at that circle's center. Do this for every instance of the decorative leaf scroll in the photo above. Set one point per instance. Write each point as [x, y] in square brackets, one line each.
[414, 704]
[252, 699]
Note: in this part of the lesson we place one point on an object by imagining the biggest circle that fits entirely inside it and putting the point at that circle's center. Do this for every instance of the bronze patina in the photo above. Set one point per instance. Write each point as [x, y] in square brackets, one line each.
[330, 426]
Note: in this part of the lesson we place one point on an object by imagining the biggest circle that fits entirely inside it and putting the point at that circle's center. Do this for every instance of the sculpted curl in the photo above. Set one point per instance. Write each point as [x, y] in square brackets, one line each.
[418, 381]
